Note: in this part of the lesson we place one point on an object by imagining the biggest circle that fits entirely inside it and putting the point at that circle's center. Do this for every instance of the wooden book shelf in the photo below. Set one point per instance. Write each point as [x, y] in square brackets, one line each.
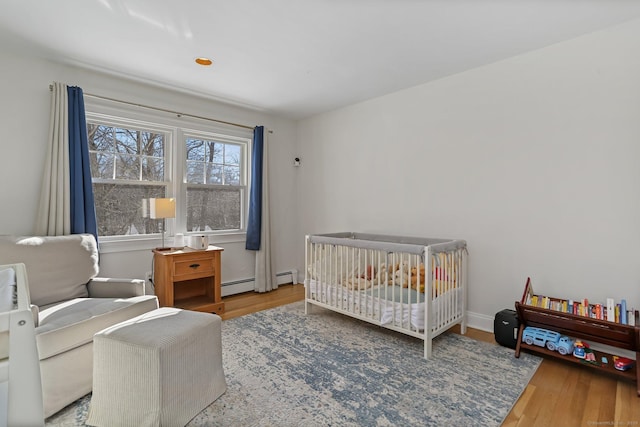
[589, 329]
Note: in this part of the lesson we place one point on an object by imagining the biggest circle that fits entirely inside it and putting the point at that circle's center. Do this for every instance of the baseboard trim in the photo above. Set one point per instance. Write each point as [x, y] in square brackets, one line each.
[480, 321]
[248, 285]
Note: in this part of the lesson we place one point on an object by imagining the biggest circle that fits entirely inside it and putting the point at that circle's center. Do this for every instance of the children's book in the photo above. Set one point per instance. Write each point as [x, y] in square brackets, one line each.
[611, 310]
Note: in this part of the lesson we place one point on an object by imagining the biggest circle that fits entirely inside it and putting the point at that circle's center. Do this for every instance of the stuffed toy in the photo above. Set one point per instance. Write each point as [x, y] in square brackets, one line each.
[382, 275]
[370, 272]
[401, 275]
[418, 278]
[358, 283]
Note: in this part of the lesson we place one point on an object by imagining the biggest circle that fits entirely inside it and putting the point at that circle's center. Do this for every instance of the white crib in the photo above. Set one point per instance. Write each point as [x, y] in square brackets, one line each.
[385, 280]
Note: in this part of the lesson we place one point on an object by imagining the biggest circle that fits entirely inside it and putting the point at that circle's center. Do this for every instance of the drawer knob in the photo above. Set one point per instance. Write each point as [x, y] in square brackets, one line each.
[194, 266]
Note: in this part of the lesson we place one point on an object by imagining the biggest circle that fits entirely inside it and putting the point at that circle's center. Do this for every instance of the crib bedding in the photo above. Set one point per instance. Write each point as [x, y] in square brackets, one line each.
[387, 304]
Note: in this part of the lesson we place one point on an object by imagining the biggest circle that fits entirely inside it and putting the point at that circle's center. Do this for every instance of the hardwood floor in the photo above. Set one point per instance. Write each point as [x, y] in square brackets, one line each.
[251, 302]
[559, 394]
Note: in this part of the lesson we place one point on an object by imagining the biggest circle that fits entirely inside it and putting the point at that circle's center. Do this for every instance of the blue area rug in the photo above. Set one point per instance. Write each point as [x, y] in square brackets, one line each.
[285, 368]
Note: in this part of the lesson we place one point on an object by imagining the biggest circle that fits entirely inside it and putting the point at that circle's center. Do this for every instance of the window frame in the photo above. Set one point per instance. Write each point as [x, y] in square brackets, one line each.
[178, 127]
[245, 144]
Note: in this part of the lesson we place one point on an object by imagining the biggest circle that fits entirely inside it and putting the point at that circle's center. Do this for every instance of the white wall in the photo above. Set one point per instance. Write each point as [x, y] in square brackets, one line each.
[532, 160]
[24, 120]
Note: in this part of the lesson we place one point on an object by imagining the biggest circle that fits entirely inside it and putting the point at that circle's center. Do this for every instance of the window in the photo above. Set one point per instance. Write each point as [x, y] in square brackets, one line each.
[128, 164]
[133, 160]
[215, 184]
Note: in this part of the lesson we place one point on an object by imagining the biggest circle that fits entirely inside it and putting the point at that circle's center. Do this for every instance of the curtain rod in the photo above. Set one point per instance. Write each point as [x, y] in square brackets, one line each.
[177, 113]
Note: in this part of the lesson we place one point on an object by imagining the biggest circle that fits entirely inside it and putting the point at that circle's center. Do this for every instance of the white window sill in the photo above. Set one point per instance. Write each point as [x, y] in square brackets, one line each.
[119, 244]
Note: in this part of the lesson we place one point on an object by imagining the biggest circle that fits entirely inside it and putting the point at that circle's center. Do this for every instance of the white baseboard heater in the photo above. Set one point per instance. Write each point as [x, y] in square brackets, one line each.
[248, 285]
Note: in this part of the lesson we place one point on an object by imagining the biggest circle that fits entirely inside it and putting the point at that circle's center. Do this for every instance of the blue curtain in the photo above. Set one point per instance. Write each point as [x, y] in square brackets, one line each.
[255, 195]
[83, 212]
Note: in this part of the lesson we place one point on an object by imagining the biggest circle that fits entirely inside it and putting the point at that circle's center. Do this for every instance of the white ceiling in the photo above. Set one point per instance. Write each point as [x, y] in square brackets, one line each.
[296, 58]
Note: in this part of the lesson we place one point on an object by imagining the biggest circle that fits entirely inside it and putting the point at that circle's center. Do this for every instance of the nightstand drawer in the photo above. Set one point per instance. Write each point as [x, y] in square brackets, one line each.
[194, 268]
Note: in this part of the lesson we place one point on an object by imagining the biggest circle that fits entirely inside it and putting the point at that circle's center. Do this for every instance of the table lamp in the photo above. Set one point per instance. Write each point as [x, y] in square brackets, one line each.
[162, 209]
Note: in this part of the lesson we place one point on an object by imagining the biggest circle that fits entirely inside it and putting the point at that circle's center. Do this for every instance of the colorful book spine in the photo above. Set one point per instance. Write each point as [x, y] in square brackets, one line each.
[611, 310]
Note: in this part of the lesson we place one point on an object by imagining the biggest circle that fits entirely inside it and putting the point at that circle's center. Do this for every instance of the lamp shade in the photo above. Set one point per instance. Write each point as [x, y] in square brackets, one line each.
[162, 208]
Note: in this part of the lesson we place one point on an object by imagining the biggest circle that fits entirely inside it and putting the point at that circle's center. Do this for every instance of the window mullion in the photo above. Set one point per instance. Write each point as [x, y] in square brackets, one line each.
[114, 154]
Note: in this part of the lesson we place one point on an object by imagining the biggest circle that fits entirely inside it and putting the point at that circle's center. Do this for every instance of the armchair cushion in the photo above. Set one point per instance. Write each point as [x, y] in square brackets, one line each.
[58, 267]
[101, 287]
[73, 323]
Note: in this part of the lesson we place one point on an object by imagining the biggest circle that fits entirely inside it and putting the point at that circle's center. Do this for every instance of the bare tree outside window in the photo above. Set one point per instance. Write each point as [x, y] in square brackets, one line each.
[215, 187]
[213, 209]
[127, 165]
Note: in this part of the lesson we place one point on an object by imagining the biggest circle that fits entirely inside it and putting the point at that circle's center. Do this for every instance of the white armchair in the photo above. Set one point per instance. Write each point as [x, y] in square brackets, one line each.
[72, 305]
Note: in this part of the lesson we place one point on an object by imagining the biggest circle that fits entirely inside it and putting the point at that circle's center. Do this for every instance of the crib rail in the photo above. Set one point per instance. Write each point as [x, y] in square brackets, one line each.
[395, 282]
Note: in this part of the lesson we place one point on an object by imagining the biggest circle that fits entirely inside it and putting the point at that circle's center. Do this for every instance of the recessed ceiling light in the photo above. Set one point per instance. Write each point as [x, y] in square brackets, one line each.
[204, 61]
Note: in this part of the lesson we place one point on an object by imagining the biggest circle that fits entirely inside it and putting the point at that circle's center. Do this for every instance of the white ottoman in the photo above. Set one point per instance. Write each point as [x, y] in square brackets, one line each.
[158, 369]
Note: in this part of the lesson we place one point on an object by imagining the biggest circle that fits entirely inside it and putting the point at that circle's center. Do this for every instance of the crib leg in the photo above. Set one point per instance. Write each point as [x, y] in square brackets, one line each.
[427, 348]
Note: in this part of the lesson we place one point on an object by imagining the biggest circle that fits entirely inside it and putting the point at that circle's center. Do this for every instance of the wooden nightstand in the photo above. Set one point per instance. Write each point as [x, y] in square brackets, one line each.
[189, 279]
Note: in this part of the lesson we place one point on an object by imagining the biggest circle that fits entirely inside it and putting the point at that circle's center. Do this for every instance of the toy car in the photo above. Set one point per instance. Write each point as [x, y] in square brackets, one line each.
[545, 338]
[539, 336]
[579, 349]
[564, 345]
[622, 363]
